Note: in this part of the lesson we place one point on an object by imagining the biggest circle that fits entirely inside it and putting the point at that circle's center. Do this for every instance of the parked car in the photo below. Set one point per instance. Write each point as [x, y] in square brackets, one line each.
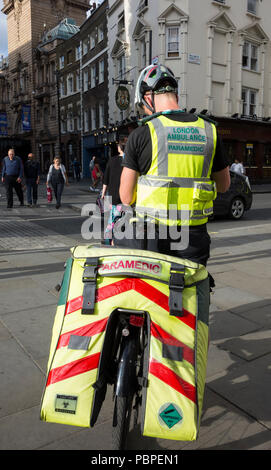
[236, 200]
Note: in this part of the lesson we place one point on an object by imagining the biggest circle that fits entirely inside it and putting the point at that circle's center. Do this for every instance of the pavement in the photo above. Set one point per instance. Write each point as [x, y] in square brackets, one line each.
[236, 412]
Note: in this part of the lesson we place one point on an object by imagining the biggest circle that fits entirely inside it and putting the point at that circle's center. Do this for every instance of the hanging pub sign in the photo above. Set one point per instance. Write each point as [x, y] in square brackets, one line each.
[122, 98]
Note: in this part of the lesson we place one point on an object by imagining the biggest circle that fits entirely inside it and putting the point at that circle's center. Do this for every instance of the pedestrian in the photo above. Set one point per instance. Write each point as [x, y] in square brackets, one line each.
[32, 179]
[97, 176]
[57, 177]
[174, 158]
[76, 169]
[91, 168]
[12, 174]
[111, 183]
[238, 167]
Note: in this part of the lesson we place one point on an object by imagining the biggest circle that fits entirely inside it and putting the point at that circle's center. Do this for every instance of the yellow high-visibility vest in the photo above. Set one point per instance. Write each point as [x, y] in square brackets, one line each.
[178, 190]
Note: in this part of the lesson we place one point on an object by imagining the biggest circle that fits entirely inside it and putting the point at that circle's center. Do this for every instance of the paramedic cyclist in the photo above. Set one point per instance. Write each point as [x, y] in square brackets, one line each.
[178, 147]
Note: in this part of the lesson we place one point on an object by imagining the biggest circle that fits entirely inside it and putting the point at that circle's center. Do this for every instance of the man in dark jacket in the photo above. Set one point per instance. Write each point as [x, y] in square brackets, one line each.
[12, 173]
[32, 178]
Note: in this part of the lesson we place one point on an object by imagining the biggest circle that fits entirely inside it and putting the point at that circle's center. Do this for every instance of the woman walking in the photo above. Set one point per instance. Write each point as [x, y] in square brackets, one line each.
[57, 177]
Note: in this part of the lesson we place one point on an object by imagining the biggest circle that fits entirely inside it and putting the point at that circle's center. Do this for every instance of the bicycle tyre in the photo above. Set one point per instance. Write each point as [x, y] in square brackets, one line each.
[123, 410]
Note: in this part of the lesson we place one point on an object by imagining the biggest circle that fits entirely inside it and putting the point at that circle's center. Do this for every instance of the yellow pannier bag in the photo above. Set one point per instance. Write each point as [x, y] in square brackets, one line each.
[174, 293]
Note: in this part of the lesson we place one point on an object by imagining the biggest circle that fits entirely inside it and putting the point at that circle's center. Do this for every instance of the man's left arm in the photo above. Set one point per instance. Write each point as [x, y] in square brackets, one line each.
[21, 170]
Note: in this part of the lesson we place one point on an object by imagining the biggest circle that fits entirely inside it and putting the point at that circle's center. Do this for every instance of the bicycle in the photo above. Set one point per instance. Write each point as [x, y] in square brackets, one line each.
[128, 362]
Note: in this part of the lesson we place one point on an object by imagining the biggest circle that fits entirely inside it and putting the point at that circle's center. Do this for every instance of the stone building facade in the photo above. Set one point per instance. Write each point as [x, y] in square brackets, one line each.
[27, 22]
[219, 50]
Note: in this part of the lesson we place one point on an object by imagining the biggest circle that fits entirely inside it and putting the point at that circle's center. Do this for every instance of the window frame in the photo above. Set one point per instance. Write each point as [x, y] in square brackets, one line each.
[61, 62]
[101, 71]
[252, 10]
[173, 54]
[101, 114]
[85, 80]
[250, 45]
[70, 84]
[247, 103]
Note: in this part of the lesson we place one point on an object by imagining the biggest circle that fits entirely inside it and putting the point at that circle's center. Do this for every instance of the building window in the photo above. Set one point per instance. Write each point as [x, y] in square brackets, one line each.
[101, 71]
[78, 87]
[70, 123]
[77, 52]
[61, 87]
[69, 84]
[121, 23]
[85, 80]
[93, 118]
[93, 76]
[121, 67]
[251, 6]
[101, 115]
[78, 116]
[61, 62]
[86, 120]
[250, 56]
[142, 5]
[100, 34]
[173, 41]
[69, 57]
[53, 111]
[143, 54]
[249, 98]
[85, 46]
[92, 42]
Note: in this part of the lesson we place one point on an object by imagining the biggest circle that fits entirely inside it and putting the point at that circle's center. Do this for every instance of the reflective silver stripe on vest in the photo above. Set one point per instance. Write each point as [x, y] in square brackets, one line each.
[162, 158]
[209, 148]
[174, 214]
[157, 181]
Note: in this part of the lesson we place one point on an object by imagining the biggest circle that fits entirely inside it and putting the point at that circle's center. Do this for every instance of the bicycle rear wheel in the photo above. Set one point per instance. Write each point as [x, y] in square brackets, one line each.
[122, 417]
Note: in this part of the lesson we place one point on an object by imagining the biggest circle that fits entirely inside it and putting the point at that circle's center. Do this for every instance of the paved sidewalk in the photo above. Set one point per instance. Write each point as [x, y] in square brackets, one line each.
[237, 412]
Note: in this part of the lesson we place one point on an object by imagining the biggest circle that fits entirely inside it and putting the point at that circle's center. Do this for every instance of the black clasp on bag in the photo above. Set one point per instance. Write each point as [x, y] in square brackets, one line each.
[89, 279]
[176, 287]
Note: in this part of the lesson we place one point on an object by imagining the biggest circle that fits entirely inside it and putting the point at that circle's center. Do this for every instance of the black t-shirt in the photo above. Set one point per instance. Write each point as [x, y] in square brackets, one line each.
[31, 169]
[112, 176]
[138, 150]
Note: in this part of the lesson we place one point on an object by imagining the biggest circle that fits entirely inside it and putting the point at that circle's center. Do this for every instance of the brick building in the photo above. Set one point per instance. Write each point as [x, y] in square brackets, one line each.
[27, 22]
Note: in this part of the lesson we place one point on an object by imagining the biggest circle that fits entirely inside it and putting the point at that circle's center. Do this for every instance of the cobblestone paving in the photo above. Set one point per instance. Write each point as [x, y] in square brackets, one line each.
[18, 234]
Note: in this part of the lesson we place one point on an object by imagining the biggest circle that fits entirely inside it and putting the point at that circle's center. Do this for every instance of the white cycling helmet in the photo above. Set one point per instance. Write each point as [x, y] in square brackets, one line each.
[151, 79]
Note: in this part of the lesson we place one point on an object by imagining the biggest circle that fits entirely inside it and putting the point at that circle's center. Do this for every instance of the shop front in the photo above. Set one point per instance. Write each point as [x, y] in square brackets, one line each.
[249, 141]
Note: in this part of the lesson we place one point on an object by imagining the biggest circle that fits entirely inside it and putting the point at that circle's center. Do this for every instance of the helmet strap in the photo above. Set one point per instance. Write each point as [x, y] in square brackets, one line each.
[151, 108]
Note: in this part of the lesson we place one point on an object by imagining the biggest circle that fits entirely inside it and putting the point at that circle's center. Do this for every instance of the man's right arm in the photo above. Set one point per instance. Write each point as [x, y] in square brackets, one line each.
[220, 170]
[128, 184]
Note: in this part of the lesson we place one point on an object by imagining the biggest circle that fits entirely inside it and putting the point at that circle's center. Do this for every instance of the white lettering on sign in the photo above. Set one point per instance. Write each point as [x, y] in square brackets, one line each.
[131, 265]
